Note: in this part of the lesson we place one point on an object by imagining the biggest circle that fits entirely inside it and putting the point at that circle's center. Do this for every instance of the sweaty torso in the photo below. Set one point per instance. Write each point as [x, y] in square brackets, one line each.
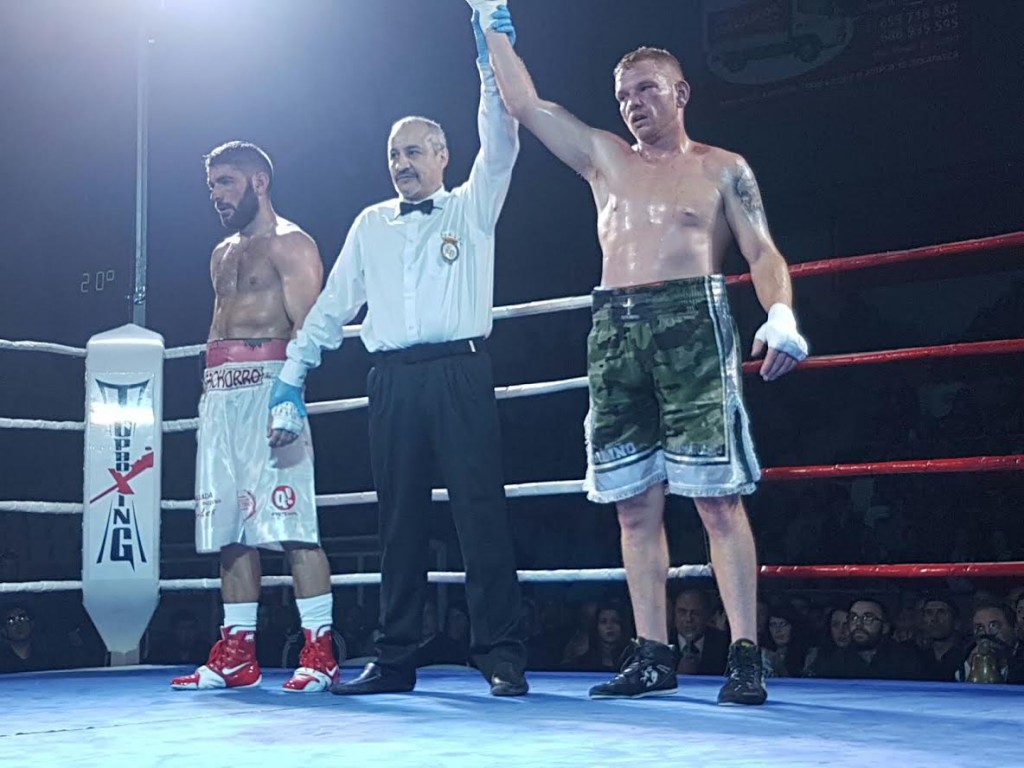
[248, 293]
[661, 219]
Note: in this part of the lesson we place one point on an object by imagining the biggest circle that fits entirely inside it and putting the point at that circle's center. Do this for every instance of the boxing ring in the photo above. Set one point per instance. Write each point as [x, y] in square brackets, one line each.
[87, 717]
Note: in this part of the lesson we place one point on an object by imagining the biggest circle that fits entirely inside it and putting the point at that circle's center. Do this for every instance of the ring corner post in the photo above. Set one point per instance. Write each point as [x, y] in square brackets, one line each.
[121, 504]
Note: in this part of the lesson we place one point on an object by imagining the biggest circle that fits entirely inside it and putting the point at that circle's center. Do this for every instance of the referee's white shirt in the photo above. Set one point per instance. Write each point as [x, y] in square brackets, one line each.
[425, 278]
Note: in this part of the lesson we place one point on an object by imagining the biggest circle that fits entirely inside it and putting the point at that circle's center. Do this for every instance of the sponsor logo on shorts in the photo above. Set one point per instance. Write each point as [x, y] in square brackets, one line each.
[629, 314]
[247, 504]
[615, 452]
[699, 451]
[206, 504]
[233, 378]
[283, 497]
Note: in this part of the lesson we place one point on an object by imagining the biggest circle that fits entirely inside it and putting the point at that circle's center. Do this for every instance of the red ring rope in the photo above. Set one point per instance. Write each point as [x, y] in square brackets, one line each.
[901, 570]
[969, 464]
[850, 263]
[912, 467]
[940, 352]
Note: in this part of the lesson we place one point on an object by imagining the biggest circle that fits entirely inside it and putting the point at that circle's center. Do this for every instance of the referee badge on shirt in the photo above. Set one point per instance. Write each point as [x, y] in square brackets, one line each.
[449, 248]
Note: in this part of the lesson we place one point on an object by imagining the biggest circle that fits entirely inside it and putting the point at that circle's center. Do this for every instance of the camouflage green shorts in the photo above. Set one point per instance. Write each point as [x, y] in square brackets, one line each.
[666, 399]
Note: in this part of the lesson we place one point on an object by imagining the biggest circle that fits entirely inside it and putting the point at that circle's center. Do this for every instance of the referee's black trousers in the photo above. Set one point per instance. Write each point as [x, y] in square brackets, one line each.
[429, 402]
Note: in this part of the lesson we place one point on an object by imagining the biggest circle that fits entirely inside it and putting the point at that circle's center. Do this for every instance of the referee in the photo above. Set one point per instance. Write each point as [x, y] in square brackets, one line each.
[423, 264]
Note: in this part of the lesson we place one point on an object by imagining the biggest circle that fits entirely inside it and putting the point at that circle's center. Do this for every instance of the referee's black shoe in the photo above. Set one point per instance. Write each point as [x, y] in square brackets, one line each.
[508, 681]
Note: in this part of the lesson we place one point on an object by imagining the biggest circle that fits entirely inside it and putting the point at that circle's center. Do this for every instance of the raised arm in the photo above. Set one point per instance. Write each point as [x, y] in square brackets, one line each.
[491, 175]
[768, 270]
[572, 141]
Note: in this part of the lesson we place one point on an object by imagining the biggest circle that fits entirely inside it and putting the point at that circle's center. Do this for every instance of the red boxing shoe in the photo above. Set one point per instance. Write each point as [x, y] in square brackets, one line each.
[232, 664]
[317, 667]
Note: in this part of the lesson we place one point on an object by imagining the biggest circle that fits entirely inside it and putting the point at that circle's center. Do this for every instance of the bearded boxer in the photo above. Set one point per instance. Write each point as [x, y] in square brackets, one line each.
[666, 408]
[252, 490]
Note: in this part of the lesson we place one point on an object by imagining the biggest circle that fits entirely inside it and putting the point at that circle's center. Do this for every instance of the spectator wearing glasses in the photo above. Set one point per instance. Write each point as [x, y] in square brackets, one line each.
[871, 654]
[20, 649]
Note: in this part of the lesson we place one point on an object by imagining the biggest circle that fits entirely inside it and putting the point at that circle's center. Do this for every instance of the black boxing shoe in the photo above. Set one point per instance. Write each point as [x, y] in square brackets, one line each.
[650, 670]
[745, 673]
[508, 681]
[376, 679]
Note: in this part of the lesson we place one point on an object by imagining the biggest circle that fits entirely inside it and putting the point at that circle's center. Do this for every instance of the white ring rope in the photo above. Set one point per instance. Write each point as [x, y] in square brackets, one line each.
[329, 406]
[355, 403]
[175, 353]
[181, 425]
[315, 409]
[54, 426]
[540, 388]
[42, 346]
[15, 587]
[566, 575]
[337, 406]
[185, 504]
[543, 307]
[519, 490]
[43, 507]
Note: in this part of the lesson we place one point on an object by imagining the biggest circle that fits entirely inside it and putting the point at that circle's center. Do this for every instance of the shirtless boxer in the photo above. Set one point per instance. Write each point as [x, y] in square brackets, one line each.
[252, 490]
[666, 409]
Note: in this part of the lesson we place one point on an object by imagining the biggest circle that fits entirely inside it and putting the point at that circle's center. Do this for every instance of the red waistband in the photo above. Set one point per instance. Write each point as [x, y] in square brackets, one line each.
[225, 351]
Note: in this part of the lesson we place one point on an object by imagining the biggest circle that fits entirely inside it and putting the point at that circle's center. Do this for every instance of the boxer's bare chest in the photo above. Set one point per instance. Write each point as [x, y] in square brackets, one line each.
[244, 268]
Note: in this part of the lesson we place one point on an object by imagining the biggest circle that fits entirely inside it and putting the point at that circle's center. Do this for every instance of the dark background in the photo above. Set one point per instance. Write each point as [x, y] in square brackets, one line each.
[908, 136]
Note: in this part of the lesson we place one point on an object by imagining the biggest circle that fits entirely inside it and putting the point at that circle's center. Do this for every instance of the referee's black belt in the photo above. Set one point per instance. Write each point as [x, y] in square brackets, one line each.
[422, 353]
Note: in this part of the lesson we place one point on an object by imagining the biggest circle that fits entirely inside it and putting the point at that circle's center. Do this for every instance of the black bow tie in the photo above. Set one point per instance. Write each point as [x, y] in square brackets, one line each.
[425, 207]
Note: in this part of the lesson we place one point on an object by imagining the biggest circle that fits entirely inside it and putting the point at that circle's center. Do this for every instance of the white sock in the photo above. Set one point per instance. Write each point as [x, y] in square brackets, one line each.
[315, 613]
[240, 616]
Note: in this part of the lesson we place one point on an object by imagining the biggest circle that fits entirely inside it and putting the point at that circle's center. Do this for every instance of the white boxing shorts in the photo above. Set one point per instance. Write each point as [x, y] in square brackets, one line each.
[247, 492]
